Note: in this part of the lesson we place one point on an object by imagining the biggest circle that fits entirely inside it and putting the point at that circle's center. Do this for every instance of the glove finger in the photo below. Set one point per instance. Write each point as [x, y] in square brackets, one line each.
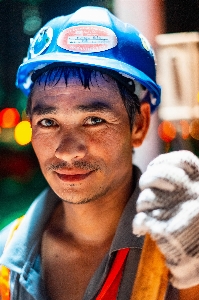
[180, 220]
[164, 177]
[139, 224]
[147, 201]
[143, 223]
[153, 199]
[182, 159]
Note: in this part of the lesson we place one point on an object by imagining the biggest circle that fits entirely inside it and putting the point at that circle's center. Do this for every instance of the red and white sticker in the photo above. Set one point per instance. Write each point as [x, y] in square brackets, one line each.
[87, 39]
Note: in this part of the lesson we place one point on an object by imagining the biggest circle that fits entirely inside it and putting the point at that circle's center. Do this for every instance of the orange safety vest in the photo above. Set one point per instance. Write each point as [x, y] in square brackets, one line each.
[109, 289]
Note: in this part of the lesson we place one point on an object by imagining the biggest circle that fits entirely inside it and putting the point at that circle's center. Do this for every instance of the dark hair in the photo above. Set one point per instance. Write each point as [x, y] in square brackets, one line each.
[51, 76]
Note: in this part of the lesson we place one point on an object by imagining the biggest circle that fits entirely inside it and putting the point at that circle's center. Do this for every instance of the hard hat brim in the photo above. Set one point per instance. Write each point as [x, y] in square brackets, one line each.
[27, 68]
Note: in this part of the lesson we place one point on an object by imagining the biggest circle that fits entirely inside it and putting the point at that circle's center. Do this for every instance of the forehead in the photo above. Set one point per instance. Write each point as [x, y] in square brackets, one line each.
[99, 85]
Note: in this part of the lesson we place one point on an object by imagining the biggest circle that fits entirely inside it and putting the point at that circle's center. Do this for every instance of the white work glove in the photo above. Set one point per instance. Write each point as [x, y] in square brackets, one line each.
[168, 209]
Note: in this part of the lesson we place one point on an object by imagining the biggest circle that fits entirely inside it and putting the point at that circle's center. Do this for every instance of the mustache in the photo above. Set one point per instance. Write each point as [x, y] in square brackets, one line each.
[83, 165]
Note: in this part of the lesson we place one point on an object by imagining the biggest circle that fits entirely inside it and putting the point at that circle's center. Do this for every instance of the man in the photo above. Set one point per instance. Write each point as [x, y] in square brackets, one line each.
[91, 84]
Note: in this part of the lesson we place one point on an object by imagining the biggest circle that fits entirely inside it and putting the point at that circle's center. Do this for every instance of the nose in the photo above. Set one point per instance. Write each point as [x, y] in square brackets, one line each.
[71, 148]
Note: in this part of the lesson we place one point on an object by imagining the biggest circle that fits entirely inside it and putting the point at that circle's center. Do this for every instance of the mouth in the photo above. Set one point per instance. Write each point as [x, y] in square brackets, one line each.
[73, 177]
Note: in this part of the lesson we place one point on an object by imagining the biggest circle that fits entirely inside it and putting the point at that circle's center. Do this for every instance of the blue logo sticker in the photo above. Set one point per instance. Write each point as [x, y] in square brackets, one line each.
[41, 41]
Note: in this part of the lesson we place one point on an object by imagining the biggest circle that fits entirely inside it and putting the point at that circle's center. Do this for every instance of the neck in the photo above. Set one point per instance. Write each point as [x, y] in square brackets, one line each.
[95, 221]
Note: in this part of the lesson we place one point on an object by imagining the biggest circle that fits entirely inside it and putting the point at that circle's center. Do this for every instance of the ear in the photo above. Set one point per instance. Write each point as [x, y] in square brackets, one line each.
[141, 125]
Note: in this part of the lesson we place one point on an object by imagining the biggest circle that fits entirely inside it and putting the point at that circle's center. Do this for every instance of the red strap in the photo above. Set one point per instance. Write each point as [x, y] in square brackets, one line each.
[110, 288]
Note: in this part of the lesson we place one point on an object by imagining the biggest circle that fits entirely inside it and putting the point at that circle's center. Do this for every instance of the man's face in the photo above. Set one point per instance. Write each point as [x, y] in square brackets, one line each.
[82, 138]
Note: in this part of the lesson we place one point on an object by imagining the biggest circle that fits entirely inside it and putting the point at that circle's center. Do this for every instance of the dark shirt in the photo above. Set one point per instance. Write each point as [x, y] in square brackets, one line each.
[23, 259]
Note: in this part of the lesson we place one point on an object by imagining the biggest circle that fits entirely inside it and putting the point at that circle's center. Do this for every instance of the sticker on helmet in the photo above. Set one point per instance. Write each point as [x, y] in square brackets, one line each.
[41, 41]
[145, 42]
[87, 39]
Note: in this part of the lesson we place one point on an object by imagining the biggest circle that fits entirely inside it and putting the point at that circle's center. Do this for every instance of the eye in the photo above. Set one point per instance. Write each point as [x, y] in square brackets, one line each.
[47, 123]
[94, 121]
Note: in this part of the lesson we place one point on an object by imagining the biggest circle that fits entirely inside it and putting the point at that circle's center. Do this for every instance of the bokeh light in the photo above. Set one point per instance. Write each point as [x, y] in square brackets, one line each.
[166, 131]
[184, 129]
[198, 96]
[9, 117]
[23, 133]
[194, 129]
[32, 20]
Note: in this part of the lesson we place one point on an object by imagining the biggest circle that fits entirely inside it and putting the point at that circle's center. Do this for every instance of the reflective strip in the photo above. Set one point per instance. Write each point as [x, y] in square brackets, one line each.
[4, 271]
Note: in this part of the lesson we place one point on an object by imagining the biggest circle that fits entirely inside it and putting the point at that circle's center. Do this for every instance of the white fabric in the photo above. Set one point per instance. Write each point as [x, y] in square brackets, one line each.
[168, 209]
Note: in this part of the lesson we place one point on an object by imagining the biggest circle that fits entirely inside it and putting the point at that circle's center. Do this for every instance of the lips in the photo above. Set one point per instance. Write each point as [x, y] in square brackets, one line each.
[71, 176]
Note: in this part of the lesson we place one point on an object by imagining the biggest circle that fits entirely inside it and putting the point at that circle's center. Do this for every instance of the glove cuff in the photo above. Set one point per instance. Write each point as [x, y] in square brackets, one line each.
[186, 275]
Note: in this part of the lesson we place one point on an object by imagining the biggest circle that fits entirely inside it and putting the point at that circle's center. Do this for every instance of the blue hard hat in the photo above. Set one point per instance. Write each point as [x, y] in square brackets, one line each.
[92, 37]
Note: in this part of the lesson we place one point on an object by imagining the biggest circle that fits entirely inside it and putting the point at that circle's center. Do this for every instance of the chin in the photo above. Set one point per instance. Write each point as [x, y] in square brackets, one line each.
[79, 197]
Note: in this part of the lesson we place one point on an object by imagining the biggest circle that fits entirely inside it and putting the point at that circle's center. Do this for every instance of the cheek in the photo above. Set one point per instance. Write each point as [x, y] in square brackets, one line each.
[113, 145]
[42, 145]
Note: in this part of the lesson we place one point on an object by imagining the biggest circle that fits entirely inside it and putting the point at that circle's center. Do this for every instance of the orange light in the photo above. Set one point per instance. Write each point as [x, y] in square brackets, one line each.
[198, 96]
[184, 129]
[166, 131]
[9, 117]
[194, 129]
[23, 133]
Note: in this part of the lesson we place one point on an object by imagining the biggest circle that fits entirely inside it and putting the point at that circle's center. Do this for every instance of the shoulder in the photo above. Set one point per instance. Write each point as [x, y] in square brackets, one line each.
[34, 219]
[4, 233]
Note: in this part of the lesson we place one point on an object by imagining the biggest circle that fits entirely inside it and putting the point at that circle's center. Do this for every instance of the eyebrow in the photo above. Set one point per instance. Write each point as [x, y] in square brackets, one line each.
[43, 110]
[91, 107]
[95, 106]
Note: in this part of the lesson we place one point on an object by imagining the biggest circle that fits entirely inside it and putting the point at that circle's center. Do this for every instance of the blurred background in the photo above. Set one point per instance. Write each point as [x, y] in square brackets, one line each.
[174, 126]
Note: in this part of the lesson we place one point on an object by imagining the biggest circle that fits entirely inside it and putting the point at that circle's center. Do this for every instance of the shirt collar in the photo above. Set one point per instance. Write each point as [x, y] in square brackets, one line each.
[124, 238]
[24, 243]
[25, 240]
